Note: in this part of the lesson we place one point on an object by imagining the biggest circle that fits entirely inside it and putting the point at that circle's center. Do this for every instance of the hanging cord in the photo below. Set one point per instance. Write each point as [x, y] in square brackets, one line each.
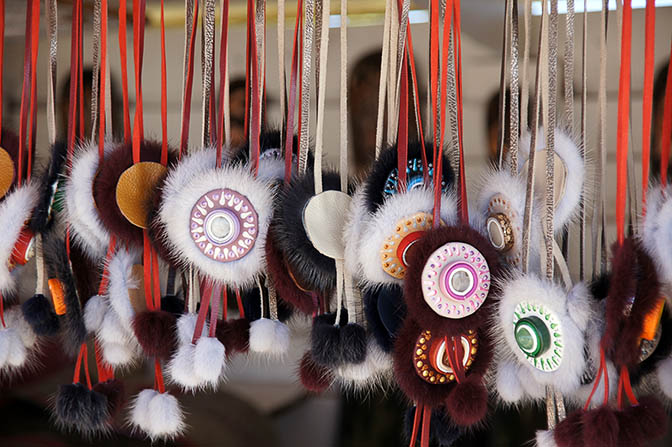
[306, 73]
[391, 97]
[321, 93]
[382, 83]
[623, 122]
[401, 29]
[506, 37]
[463, 210]
[32, 125]
[224, 117]
[95, 81]
[524, 79]
[191, 26]
[138, 50]
[164, 93]
[208, 55]
[514, 123]
[647, 103]
[584, 143]
[282, 81]
[102, 59]
[569, 66]
[291, 106]
[27, 91]
[343, 104]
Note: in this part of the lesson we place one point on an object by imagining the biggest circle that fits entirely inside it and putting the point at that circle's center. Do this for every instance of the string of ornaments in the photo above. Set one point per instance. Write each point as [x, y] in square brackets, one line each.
[406, 283]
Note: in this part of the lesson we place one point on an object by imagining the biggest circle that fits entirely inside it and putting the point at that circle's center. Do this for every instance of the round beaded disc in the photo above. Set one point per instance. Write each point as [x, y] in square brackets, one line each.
[430, 357]
[397, 246]
[504, 229]
[223, 225]
[543, 355]
[455, 280]
[414, 177]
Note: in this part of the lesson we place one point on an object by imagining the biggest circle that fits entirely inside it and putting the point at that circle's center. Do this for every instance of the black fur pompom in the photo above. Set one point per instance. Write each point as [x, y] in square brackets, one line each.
[80, 409]
[40, 315]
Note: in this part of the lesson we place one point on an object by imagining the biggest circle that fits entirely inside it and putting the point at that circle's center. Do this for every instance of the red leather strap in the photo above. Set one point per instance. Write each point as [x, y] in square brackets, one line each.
[402, 128]
[255, 118]
[35, 43]
[464, 205]
[138, 46]
[2, 54]
[104, 280]
[215, 302]
[667, 125]
[147, 269]
[602, 370]
[417, 417]
[124, 70]
[25, 94]
[2, 311]
[158, 376]
[647, 104]
[426, 421]
[416, 97]
[623, 121]
[80, 77]
[203, 310]
[241, 309]
[156, 279]
[82, 358]
[186, 103]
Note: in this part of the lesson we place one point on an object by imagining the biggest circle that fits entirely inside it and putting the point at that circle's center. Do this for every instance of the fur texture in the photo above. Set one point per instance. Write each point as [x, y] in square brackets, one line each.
[650, 421]
[181, 368]
[355, 222]
[15, 210]
[113, 390]
[383, 222]
[39, 313]
[272, 162]
[313, 270]
[209, 360]
[183, 187]
[569, 431]
[664, 375]
[507, 381]
[600, 427]
[415, 302]
[285, 286]
[314, 377]
[374, 372]
[155, 331]
[269, 337]
[105, 188]
[353, 343]
[13, 353]
[14, 318]
[40, 220]
[82, 410]
[234, 335]
[387, 162]
[636, 277]
[375, 325]
[58, 266]
[441, 429]
[656, 235]
[88, 231]
[120, 282]
[158, 415]
[569, 152]
[94, 312]
[326, 340]
[544, 438]
[467, 403]
[573, 311]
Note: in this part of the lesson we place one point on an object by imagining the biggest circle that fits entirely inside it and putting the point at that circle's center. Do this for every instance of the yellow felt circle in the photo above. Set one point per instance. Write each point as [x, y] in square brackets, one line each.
[6, 172]
[134, 190]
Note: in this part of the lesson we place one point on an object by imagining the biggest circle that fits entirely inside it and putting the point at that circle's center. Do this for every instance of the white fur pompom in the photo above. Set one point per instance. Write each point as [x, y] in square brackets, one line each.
[508, 384]
[15, 210]
[139, 416]
[656, 230]
[369, 374]
[117, 354]
[94, 312]
[165, 417]
[269, 337]
[12, 350]
[181, 367]
[186, 325]
[111, 329]
[545, 438]
[121, 280]
[14, 318]
[209, 360]
[664, 373]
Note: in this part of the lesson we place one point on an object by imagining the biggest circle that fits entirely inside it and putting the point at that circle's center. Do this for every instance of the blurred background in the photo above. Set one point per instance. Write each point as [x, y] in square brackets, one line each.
[262, 404]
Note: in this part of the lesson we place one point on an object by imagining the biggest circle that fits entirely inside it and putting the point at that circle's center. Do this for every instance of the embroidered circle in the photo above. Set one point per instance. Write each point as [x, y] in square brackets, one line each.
[431, 356]
[396, 249]
[223, 225]
[455, 280]
[414, 178]
[538, 334]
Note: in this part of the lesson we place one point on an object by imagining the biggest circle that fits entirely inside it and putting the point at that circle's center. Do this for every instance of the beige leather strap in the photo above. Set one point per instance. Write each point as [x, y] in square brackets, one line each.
[343, 105]
[321, 88]
[227, 108]
[52, 30]
[305, 83]
[524, 80]
[584, 127]
[281, 68]
[514, 109]
[382, 85]
[208, 27]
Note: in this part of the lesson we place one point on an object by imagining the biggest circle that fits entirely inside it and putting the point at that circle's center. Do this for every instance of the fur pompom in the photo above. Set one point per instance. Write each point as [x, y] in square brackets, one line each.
[353, 343]
[269, 337]
[120, 274]
[209, 360]
[39, 313]
[374, 371]
[15, 210]
[94, 312]
[545, 438]
[155, 331]
[184, 187]
[186, 325]
[113, 390]
[569, 431]
[649, 419]
[181, 367]
[600, 427]
[82, 410]
[314, 377]
[234, 335]
[14, 318]
[467, 403]
[325, 340]
[13, 353]
[117, 354]
[88, 231]
[508, 382]
[664, 374]
[158, 415]
[655, 230]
